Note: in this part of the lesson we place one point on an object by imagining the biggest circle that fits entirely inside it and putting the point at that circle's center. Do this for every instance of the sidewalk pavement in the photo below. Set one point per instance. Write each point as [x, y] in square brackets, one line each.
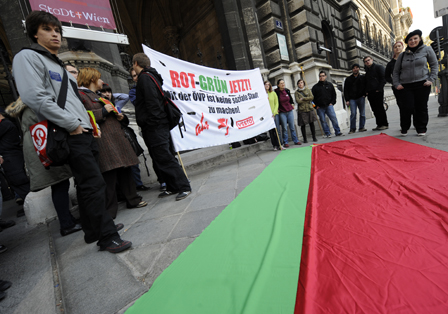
[54, 274]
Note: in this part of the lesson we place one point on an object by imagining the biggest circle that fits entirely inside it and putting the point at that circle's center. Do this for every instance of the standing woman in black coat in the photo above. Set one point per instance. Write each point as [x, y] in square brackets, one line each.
[398, 49]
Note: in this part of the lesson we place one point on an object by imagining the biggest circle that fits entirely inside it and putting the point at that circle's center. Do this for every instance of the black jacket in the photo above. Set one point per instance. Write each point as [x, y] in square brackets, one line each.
[149, 110]
[354, 87]
[390, 70]
[324, 94]
[375, 79]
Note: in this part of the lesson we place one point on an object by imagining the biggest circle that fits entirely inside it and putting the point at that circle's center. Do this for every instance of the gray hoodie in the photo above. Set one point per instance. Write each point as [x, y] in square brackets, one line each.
[39, 80]
[412, 67]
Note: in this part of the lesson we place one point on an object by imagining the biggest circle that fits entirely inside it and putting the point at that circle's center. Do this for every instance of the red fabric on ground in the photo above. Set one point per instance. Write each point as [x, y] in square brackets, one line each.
[376, 229]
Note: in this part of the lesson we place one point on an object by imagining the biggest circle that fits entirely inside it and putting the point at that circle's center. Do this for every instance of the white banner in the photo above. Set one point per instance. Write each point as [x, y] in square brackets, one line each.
[218, 106]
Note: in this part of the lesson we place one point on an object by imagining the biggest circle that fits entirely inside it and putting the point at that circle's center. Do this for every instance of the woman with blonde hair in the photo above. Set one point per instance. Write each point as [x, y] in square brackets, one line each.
[273, 102]
[113, 157]
[398, 48]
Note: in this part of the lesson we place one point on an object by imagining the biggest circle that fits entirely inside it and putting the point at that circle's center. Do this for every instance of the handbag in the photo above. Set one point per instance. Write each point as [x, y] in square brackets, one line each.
[49, 139]
[132, 138]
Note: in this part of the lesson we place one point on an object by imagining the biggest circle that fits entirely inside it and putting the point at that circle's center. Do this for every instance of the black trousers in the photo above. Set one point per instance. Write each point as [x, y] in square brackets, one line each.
[61, 202]
[158, 142]
[313, 131]
[376, 100]
[14, 168]
[127, 187]
[274, 138]
[416, 99]
[405, 112]
[96, 222]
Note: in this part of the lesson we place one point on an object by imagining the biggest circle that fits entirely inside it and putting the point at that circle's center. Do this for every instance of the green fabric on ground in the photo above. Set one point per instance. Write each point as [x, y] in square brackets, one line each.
[247, 260]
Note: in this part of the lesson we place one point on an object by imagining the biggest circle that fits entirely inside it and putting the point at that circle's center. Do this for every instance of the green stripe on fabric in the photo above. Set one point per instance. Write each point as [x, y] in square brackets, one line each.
[247, 260]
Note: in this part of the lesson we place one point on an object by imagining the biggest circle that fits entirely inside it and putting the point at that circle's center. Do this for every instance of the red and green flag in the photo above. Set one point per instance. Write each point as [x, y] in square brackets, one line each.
[355, 226]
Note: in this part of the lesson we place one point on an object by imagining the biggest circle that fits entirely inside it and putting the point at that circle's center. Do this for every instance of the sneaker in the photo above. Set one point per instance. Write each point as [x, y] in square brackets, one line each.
[139, 205]
[404, 133]
[143, 188]
[19, 201]
[75, 228]
[4, 285]
[351, 131]
[362, 130]
[119, 226]
[376, 129]
[117, 246]
[6, 224]
[162, 187]
[298, 143]
[382, 128]
[275, 148]
[340, 134]
[182, 195]
[165, 194]
[3, 248]
[327, 136]
[286, 145]
[421, 134]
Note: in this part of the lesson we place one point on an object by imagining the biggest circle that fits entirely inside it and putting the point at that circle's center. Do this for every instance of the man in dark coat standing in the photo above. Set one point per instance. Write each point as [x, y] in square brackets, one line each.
[375, 81]
[324, 99]
[151, 117]
[354, 93]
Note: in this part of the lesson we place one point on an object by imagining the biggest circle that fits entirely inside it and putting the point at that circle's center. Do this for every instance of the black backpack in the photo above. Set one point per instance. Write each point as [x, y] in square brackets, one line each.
[173, 113]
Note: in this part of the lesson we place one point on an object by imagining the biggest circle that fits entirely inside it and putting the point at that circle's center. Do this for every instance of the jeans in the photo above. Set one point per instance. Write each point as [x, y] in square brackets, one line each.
[288, 117]
[329, 111]
[359, 103]
[136, 175]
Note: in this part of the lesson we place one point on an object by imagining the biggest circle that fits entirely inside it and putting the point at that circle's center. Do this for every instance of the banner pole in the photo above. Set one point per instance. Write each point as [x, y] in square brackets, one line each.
[278, 137]
[180, 159]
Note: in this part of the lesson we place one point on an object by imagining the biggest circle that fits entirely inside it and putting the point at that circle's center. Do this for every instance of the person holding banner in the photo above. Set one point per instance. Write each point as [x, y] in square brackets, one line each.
[273, 102]
[286, 107]
[38, 73]
[113, 157]
[151, 117]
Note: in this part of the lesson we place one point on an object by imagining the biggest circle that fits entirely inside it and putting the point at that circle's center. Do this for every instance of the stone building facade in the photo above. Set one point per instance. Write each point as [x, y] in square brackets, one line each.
[287, 39]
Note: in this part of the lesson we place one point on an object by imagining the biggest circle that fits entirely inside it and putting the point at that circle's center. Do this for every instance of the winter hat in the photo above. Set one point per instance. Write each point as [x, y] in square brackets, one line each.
[413, 33]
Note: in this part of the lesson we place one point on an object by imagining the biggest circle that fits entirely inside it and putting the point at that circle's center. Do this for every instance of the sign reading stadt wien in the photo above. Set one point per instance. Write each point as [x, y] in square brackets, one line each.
[92, 12]
[218, 106]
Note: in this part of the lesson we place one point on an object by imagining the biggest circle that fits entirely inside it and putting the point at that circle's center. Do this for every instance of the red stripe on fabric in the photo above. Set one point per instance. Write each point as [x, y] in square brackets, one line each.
[74, 2]
[376, 231]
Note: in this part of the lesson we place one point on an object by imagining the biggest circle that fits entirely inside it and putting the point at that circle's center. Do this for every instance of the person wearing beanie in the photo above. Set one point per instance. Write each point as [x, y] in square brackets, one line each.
[411, 75]
[355, 97]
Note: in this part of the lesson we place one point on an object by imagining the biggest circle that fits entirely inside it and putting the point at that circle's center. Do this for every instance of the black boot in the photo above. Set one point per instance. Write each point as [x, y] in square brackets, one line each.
[302, 128]
[313, 131]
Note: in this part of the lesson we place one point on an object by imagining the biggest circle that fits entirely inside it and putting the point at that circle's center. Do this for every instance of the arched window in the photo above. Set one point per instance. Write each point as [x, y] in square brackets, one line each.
[361, 33]
[367, 32]
[332, 58]
[375, 37]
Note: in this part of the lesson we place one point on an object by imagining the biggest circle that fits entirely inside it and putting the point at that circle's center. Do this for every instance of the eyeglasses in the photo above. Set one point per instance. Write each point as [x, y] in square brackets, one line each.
[73, 72]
